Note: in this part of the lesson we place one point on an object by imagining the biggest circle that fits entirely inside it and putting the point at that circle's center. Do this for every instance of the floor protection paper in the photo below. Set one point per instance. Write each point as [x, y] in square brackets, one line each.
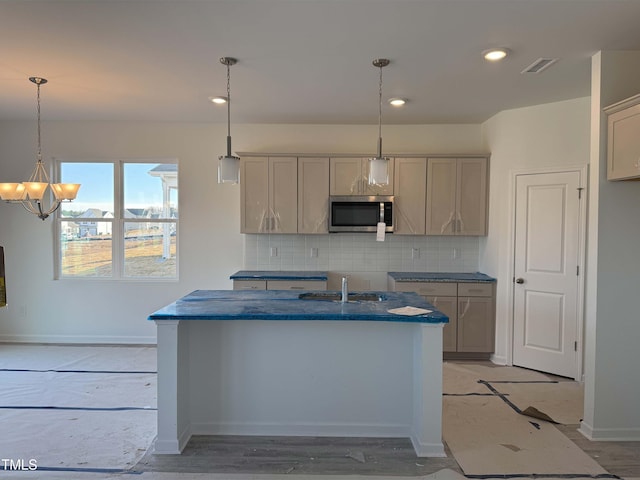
[78, 357]
[487, 437]
[563, 402]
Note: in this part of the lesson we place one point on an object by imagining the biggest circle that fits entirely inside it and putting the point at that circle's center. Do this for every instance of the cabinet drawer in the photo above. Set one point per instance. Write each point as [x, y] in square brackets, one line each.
[249, 285]
[475, 289]
[432, 289]
[296, 285]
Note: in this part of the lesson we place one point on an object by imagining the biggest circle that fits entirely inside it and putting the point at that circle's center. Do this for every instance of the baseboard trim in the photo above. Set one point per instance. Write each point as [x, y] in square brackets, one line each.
[609, 434]
[498, 359]
[298, 430]
[427, 449]
[80, 339]
[172, 447]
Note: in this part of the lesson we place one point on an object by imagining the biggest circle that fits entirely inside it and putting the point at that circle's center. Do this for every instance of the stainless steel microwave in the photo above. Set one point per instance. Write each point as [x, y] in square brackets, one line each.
[355, 213]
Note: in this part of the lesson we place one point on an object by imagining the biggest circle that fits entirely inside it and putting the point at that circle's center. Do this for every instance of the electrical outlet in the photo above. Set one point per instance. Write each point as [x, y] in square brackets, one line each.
[415, 253]
[274, 251]
[455, 253]
[313, 253]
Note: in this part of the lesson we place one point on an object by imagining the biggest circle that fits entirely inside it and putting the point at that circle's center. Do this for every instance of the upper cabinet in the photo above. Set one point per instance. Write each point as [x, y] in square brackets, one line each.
[456, 202]
[433, 196]
[623, 141]
[349, 176]
[313, 195]
[410, 187]
[269, 195]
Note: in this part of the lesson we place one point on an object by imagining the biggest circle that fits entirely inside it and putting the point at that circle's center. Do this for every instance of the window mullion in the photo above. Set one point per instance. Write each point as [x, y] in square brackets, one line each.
[118, 221]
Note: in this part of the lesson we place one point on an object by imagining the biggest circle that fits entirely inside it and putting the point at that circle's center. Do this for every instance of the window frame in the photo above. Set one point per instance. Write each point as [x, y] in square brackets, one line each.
[117, 222]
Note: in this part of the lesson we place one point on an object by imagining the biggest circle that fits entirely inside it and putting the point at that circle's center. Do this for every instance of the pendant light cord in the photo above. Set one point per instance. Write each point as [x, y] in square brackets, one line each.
[228, 109]
[39, 137]
[380, 117]
[228, 100]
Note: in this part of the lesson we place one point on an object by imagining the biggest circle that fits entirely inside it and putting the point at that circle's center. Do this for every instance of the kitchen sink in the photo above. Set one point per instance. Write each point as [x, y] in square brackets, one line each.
[337, 297]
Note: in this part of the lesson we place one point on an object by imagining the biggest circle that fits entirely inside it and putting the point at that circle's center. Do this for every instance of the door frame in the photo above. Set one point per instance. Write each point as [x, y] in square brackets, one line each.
[583, 170]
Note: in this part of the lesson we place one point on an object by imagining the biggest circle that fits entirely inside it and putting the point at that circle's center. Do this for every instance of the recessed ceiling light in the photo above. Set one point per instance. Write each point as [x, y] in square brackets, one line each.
[397, 102]
[495, 54]
[218, 100]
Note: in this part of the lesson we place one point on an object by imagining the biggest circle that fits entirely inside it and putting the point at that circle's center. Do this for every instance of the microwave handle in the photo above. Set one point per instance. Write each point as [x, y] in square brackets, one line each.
[382, 212]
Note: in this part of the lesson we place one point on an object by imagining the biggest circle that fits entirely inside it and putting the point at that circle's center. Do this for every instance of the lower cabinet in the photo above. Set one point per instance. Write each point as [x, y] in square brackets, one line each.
[279, 285]
[476, 317]
[448, 306]
[470, 307]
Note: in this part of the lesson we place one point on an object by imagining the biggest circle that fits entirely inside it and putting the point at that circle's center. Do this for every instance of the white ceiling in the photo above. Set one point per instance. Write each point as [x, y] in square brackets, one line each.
[300, 61]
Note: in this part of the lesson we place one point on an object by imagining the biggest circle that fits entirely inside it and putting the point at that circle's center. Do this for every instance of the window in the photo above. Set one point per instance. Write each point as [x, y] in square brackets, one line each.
[124, 222]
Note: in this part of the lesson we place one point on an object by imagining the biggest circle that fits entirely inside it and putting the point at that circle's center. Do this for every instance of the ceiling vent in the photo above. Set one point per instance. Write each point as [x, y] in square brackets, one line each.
[539, 65]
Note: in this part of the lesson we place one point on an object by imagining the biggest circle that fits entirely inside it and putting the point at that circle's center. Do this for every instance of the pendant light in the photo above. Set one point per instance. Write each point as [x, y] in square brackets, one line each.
[228, 165]
[31, 194]
[379, 165]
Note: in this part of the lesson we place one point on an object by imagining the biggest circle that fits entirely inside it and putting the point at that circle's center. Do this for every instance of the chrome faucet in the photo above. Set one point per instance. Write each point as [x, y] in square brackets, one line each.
[345, 290]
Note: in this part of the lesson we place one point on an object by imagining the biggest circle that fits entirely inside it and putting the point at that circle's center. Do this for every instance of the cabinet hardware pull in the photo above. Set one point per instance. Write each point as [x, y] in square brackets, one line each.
[466, 308]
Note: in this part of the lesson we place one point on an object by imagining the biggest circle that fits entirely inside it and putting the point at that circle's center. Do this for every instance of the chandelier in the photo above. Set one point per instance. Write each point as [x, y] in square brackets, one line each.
[229, 164]
[379, 165]
[31, 194]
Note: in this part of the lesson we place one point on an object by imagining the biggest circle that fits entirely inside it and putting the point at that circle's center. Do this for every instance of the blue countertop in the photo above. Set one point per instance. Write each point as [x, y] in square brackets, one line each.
[279, 275]
[286, 305]
[440, 277]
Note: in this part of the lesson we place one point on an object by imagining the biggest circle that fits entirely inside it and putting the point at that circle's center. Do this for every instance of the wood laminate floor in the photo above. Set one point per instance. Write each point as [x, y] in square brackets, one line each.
[298, 455]
[618, 458]
[87, 412]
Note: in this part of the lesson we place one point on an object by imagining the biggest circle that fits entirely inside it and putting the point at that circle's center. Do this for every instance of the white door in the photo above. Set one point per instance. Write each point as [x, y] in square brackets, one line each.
[546, 275]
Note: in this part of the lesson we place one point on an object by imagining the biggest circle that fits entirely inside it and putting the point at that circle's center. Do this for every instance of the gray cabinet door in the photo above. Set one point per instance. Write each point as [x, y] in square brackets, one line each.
[269, 195]
[471, 196]
[448, 306]
[456, 196]
[476, 324]
[313, 195]
[623, 143]
[441, 196]
[283, 194]
[254, 195]
[410, 186]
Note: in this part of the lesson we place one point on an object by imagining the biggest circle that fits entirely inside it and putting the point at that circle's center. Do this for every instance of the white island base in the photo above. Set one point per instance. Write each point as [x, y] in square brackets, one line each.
[299, 378]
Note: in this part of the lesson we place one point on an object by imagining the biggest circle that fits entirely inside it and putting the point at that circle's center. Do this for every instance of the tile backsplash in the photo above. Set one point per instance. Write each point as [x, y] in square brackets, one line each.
[360, 252]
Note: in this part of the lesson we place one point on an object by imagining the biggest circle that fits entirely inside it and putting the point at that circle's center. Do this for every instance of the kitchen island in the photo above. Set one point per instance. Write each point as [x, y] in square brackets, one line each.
[292, 363]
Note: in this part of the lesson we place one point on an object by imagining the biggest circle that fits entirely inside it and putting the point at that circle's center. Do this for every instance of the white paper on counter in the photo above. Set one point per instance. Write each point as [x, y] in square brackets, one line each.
[409, 311]
[381, 231]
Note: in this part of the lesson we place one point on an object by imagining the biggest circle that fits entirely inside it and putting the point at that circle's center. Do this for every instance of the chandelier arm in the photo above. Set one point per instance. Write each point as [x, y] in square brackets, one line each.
[55, 206]
[30, 206]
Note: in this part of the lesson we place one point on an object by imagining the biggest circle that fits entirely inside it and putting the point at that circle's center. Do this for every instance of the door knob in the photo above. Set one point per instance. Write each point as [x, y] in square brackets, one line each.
[519, 280]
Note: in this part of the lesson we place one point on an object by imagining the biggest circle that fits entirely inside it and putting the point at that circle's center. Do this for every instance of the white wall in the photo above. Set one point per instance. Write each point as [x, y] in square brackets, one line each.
[550, 135]
[210, 245]
[612, 376]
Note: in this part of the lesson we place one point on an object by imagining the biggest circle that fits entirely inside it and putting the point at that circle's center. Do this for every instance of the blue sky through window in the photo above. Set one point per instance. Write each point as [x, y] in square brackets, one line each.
[141, 190]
